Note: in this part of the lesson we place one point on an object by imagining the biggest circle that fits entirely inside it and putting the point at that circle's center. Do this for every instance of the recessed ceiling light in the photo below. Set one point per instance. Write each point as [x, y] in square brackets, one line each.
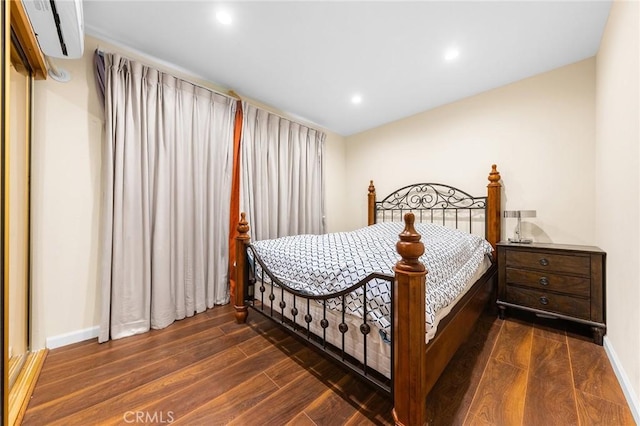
[356, 99]
[451, 54]
[224, 17]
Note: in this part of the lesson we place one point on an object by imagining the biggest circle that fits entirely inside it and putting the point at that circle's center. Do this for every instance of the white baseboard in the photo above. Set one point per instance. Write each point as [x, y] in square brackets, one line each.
[72, 337]
[625, 383]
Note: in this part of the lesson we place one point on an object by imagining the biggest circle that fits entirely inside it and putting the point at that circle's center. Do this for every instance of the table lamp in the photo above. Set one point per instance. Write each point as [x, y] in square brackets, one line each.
[519, 214]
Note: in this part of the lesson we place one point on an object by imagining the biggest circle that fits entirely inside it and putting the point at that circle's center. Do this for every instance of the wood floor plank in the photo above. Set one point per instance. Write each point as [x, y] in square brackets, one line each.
[550, 329]
[64, 353]
[330, 408]
[358, 393]
[172, 338]
[226, 407]
[260, 341]
[548, 403]
[596, 411]
[98, 397]
[450, 398]
[549, 359]
[550, 397]
[86, 378]
[376, 411]
[73, 352]
[301, 420]
[335, 406]
[222, 380]
[473, 420]
[183, 392]
[592, 371]
[514, 345]
[97, 393]
[281, 407]
[291, 368]
[494, 400]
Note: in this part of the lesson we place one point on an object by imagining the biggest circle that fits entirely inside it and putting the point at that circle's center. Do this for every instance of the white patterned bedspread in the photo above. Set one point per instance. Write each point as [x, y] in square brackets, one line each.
[328, 263]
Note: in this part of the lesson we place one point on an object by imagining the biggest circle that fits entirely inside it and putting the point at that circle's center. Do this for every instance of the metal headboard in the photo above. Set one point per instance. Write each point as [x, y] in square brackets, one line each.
[435, 203]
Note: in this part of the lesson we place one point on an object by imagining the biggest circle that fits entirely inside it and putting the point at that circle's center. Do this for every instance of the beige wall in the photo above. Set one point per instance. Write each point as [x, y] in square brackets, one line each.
[67, 139]
[539, 131]
[618, 184]
[68, 125]
[335, 189]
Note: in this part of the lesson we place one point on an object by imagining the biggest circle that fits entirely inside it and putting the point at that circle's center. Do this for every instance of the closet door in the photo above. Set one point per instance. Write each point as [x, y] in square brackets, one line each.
[4, 88]
[16, 162]
[22, 60]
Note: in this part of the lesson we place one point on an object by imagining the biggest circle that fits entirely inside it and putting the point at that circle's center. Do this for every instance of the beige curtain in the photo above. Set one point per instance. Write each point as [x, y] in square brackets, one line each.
[167, 174]
[282, 178]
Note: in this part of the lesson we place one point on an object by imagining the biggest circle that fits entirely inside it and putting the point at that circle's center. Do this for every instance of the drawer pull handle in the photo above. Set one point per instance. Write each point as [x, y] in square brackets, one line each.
[544, 262]
[544, 281]
[544, 300]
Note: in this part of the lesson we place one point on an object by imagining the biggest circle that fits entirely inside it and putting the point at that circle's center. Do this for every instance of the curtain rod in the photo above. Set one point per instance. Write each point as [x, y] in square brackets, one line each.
[231, 94]
[302, 121]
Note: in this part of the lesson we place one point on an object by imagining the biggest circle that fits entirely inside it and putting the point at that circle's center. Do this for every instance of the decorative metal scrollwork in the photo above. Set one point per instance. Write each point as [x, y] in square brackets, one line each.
[424, 196]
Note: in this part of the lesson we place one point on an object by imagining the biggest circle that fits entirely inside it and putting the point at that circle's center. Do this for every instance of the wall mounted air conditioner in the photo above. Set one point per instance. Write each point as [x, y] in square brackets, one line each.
[58, 26]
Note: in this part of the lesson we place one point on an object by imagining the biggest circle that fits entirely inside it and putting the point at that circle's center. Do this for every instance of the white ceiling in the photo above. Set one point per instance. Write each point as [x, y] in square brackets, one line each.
[308, 59]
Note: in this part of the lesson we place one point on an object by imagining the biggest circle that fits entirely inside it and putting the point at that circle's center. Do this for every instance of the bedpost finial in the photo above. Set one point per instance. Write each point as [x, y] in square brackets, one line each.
[372, 188]
[494, 175]
[243, 227]
[410, 247]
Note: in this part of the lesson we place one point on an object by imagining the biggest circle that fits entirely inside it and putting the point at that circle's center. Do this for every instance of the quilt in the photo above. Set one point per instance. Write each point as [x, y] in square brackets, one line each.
[328, 263]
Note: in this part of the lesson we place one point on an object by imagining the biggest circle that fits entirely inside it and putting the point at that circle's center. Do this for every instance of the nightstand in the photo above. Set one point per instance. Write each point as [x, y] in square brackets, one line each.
[554, 280]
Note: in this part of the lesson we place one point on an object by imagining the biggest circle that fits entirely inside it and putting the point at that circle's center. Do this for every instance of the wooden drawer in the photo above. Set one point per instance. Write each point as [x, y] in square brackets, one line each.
[565, 280]
[578, 265]
[562, 304]
[542, 281]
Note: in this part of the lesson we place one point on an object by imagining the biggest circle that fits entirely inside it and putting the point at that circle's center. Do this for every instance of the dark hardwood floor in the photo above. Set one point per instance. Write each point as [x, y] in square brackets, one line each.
[207, 370]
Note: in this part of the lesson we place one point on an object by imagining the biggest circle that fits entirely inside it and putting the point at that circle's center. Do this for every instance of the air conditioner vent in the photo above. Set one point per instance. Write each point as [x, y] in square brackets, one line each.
[58, 26]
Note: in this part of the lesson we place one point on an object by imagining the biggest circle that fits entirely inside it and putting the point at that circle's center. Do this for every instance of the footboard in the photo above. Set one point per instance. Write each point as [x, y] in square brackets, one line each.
[320, 320]
[292, 309]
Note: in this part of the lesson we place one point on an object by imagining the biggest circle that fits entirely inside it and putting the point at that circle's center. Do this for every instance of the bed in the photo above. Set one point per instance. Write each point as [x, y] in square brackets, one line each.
[378, 323]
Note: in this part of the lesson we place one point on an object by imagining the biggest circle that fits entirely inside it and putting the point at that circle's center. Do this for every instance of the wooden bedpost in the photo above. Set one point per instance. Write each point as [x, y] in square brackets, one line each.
[242, 269]
[493, 208]
[372, 204]
[409, 406]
